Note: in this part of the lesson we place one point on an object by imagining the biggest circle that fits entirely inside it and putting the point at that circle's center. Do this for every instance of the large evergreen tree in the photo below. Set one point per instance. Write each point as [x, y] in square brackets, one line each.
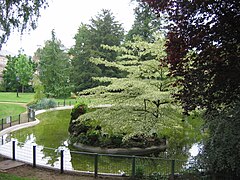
[146, 23]
[103, 29]
[54, 68]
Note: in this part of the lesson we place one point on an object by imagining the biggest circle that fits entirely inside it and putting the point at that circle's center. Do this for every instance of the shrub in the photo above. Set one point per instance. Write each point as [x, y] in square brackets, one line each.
[79, 109]
[44, 104]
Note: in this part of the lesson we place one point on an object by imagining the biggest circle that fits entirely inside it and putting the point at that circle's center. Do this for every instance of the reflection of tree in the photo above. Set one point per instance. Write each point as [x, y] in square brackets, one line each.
[52, 132]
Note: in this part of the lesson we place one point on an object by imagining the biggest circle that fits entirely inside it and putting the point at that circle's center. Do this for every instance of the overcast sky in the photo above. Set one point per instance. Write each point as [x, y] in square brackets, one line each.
[65, 16]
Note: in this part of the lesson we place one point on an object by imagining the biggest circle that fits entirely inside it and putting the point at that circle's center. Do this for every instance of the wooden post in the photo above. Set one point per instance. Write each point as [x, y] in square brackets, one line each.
[13, 150]
[62, 170]
[34, 156]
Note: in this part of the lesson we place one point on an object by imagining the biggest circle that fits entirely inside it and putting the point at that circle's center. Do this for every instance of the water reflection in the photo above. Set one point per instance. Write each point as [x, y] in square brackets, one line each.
[51, 136]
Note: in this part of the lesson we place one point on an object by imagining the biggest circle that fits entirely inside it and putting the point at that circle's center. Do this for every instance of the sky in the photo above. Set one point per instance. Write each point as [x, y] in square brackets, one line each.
[65, 16]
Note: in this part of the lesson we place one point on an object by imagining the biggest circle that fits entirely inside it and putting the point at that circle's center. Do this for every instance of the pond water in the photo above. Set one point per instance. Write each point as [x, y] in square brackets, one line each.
[51, 136]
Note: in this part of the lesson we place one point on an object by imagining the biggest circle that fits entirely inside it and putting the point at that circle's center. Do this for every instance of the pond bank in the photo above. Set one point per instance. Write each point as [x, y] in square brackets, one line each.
[122, 151]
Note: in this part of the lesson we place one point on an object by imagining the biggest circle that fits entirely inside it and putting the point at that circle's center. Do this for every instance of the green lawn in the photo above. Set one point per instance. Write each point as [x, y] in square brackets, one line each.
[25, 98]
[10, 110]
[4, 176]
[12, 97]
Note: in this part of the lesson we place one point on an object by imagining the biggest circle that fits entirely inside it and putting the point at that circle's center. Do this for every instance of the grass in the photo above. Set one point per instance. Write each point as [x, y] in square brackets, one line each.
[4, 176]
[12, 97]
[26, 98]
[10, 109]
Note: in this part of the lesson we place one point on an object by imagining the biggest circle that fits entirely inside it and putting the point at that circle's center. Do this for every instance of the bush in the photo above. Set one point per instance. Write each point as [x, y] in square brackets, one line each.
[79, 109]
[44, 104]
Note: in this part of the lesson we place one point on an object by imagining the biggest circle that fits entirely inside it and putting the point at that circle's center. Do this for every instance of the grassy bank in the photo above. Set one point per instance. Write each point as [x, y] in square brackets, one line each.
[11, 110]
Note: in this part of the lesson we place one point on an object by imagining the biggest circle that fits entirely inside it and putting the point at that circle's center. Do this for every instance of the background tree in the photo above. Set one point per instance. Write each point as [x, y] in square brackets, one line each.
[18, 15]
[38, 88]
[24, 70]
[103, 29]
[146, 23]
[18, 72]
[82, 68]
[54, 68]
[203, 49]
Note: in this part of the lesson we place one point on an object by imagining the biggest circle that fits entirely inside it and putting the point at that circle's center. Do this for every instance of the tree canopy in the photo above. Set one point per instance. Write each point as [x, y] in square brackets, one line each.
[18, 15]
[18, 72]
[54, 68]
[203, 48]
[103, 29]
[203, 52]
[141, 102]
[146, 23]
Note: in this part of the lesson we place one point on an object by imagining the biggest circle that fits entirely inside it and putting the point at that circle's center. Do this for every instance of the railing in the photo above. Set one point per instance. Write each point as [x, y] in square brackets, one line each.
[10, 121]
[90, 163]
[17, 119]
[84, 162]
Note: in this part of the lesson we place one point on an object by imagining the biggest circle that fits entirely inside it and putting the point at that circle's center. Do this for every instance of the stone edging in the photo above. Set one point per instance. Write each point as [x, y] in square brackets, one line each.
[122, 151]
[32, 123]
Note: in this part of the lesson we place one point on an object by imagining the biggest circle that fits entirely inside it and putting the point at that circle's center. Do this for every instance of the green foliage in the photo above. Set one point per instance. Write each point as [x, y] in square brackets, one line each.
[44, 104]
[139, 172]
[202, 53]
[38, 89]
[146, 23]
[7, 110]
[221, 148]
[54, 69]
[19, 15]
[103, 29]
[18, 72]
[142, 112]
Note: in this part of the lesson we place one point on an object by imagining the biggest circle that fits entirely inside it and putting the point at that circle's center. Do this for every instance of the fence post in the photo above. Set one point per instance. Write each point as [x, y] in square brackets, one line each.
[133, 166]
[58, 104]
[10, 121]
[96, 166]
[64, 102]
[2, 140]
[62, 161]
[33, 115]
[2, 124]
[172, 169]
[34, 156]
[13, 150]
[19, 119]
[29, 113]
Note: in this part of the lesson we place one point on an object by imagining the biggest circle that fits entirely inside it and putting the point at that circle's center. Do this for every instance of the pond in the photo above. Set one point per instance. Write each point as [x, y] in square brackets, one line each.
[51, 136]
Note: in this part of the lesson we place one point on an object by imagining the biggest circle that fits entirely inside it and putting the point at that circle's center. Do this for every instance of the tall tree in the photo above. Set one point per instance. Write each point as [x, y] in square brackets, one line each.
[18, 15]
[203, 49]
[146, 23]
[141, 102]
[18, 72]
[54, 68]
[103, 29]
